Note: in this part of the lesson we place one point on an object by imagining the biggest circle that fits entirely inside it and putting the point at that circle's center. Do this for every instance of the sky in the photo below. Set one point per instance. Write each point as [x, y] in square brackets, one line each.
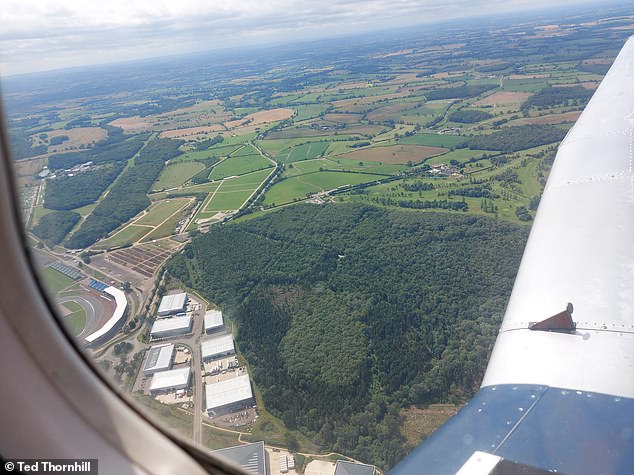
[40, 35]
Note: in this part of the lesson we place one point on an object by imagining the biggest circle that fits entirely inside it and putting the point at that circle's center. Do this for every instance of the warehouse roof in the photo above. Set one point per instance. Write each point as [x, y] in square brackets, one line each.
[219, 345]
[250, 457]
[170, 379]
[171, 324]
[159, 357]
[350, 468]
[118, 314]
[172, 303]
[213, 319]
[228, 391]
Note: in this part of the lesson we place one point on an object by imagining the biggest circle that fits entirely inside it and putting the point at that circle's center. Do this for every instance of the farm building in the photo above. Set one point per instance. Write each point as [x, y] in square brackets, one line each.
[171, 380]
[229, 395]
[213, 321]
[171, 304]
[217, 347]
[351, 468]
[250, 457]
[169, 327]
[159, 358]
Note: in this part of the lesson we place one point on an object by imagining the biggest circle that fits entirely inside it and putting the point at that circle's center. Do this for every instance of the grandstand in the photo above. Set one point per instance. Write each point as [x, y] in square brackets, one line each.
[66, 270]
[95, 284]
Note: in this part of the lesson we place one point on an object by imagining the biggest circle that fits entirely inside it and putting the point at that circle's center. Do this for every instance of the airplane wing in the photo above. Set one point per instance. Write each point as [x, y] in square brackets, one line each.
[558, 394]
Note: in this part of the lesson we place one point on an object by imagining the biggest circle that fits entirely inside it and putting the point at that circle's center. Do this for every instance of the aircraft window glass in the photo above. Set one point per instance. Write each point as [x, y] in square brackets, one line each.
[306, 244]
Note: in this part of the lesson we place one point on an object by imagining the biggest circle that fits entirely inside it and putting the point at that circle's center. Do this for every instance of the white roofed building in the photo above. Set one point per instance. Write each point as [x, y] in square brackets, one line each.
[169, 327]
[229, 395]
[171, 304]
[115, 321]
[217, 347]
[213, 321]
[159, 358]
[171, 380]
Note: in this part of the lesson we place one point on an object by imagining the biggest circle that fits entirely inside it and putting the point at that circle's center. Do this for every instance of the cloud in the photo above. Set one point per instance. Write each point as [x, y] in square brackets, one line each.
[45, 34]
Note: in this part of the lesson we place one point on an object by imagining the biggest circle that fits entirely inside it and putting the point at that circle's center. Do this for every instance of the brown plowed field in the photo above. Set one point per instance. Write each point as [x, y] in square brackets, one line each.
[398, 154]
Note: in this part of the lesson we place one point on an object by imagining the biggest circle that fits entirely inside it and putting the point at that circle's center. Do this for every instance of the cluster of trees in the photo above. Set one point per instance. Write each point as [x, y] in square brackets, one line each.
[70, 192]
[469, 116]
[60, 139]
[128, 195]
[54, 227]
[203, 175]
[600, 69]
[514, 139]
[205, 144]
[115, 148]
[359, 144]
[347, 313]
[22, 145]
[492, 68]
[483, 191]
[523, 214]
[435, 204]
[458, 92]
[418, 186]
[556, 96]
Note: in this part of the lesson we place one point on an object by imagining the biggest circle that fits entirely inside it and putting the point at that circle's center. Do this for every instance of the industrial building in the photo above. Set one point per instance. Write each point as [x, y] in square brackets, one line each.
[250, 457]
[171, 380]
[115, 321]
[159, 358]
[229, 395]
[351, 468]
[169, 327]
[217, 347]
[171, 304]
[213, 321]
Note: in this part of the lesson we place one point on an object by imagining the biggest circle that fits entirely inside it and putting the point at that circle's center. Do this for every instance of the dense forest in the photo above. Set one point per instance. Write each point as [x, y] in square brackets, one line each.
[70, 192]
[128, 195]
[54, 227]
[346, 313]
[109, 151]
[557, 96]
[513, 139]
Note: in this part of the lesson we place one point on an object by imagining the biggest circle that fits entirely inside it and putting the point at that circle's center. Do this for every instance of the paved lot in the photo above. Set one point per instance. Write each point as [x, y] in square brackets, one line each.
[275, 457]
[319, 467]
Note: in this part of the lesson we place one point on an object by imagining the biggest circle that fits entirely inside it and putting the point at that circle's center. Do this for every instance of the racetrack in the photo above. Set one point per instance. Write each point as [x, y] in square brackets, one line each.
[93, 305]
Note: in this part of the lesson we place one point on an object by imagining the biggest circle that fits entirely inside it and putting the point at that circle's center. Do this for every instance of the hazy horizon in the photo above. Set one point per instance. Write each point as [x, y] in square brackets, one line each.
[48, 36]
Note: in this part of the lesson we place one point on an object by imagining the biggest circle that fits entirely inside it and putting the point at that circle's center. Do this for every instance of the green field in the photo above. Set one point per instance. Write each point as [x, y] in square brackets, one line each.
[215, 151]
[165, 229]
[309, 111]
[297, 187]
[232, 193]
[127, 235]
[302, 152]
[193, 189]
[176, 174]
[239, 165]
[72, 306]
[55, 280]
[342, 164]
[160, 211]
[461, 155]
[274, 146]
[76, 321]
[434, 140]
